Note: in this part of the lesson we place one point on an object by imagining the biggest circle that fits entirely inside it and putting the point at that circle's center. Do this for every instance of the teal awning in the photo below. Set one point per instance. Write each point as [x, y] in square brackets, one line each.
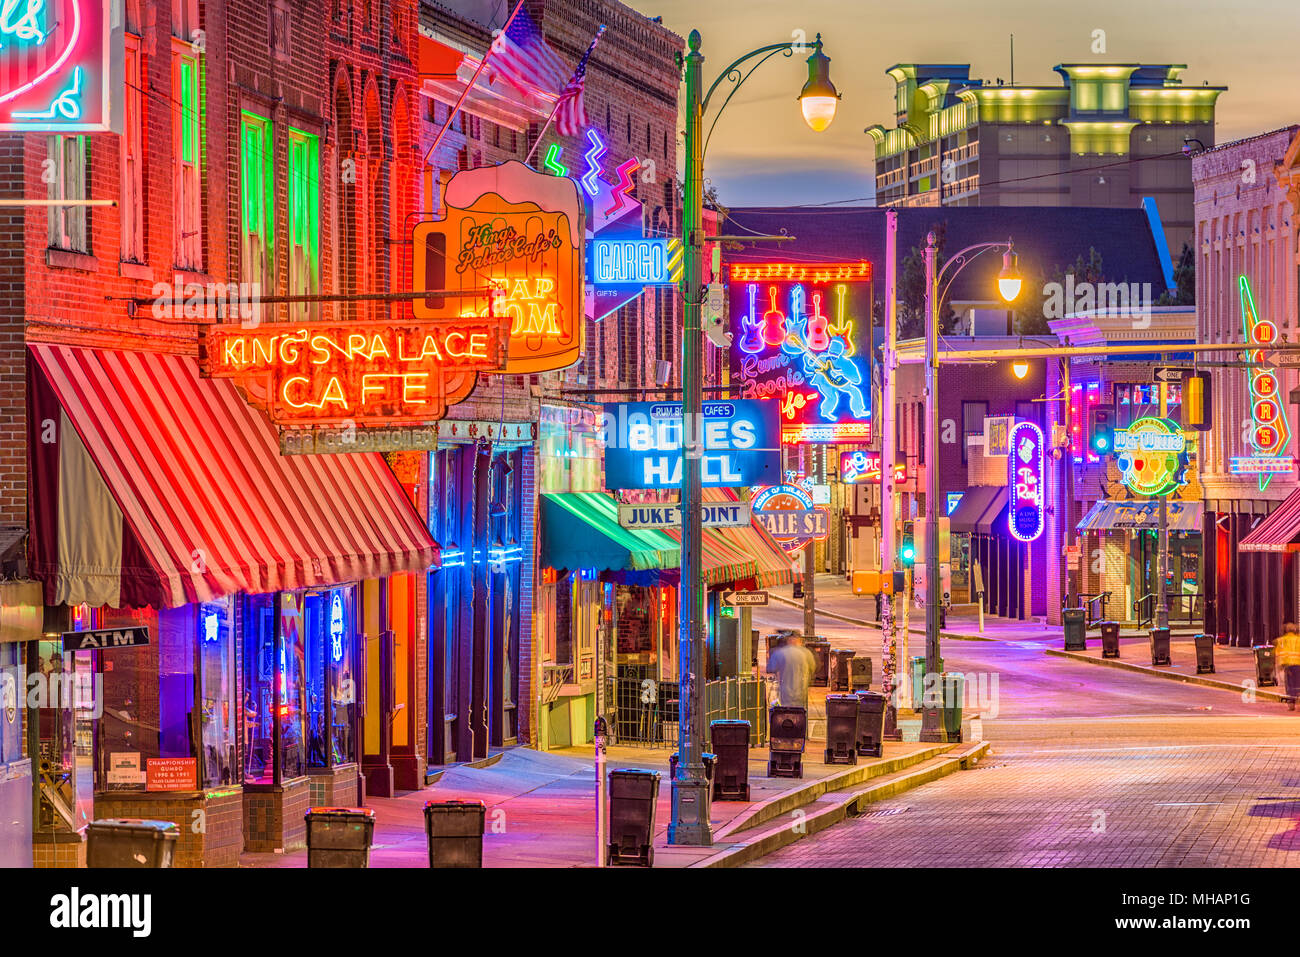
[581, 530]
[1109, 515]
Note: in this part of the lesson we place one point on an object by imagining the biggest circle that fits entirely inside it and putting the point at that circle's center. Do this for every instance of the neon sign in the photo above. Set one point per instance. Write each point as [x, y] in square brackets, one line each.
[56, 65]
[336, 627]
[1025, 474]
[795, 337]
[521, 233]
[860, 466]
[357, 371]
[1270, 434]
[1261, 465]
[790, 516]
[1152, 456]
[632, 261]
[592, 158]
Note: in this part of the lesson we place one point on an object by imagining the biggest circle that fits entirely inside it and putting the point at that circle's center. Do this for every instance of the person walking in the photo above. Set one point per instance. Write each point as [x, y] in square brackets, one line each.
[1286, 653]
[793, 665]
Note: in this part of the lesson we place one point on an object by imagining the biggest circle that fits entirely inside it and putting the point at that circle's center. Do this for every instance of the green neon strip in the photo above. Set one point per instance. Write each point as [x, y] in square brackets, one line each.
[304, 198]
[189, 112]
[258, 185]
[552, 161]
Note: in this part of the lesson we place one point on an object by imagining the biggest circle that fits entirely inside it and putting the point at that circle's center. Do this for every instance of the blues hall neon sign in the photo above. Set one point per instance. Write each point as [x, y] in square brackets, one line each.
[57, 66]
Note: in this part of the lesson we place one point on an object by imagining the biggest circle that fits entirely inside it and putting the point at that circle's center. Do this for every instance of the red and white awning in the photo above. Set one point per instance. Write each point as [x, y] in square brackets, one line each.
[152, 486]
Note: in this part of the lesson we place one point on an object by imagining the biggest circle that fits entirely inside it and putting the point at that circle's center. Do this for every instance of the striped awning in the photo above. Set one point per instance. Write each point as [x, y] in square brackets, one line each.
[581, 530]
[1279, 531]
[761, 557]
[153, 486]
[1108, 515]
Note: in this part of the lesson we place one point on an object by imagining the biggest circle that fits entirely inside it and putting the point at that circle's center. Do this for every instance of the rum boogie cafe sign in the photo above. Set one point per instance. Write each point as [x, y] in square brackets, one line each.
[521, 232]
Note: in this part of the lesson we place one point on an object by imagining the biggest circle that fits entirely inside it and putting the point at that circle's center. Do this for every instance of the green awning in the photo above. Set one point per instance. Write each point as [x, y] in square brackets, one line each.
[581, 530]
[1109, 515]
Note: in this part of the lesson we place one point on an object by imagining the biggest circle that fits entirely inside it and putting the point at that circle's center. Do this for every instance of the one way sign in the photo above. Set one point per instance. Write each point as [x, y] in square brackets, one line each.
[1171, 374]
[734, 598]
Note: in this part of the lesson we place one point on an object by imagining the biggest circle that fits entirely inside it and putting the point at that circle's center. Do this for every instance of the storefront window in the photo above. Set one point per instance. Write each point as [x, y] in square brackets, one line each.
[13, 685]
[274, 690]
[218, 690]
[330, 629]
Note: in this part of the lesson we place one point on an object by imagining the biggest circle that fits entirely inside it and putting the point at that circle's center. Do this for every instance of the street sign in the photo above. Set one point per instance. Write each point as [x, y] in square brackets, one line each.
[1170, 374]
[713, 515]
[737, 598]
[100, 639]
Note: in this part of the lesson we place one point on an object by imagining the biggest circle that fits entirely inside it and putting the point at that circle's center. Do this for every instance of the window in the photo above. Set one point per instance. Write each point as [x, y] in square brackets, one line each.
[274, 689]
[185, 18]
[218, 693]
[257, 187]
[304, 222]
[972, 422]
[185, 139]
[133, 158]
[330, 620]
[65, 167]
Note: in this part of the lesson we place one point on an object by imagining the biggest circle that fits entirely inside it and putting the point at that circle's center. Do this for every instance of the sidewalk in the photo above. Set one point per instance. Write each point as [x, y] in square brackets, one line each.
[1234, 668]
[541, 806]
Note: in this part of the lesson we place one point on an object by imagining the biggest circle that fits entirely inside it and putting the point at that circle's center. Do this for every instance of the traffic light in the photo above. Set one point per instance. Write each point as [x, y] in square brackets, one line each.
[1101, 429]
[907, 548]
[1197, 404]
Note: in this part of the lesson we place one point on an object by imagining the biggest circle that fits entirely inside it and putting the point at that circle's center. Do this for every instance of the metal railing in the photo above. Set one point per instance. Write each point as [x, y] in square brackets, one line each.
[646, 709]
[1187, 606]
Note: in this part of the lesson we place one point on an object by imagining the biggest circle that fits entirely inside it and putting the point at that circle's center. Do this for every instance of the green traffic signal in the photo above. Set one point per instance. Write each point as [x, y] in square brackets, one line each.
[907, 552]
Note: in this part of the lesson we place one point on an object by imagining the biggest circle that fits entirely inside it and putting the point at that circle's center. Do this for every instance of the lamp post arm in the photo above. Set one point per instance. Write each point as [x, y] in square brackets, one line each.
[734, 74]
[961, 260]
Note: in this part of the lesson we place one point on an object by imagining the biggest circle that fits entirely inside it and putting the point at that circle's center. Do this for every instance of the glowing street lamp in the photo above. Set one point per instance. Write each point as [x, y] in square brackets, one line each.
[819, 97]
[1009, 280]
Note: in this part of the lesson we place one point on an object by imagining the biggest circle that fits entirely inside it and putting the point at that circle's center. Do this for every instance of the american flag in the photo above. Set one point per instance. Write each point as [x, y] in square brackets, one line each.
[570, 111]
[521, 56]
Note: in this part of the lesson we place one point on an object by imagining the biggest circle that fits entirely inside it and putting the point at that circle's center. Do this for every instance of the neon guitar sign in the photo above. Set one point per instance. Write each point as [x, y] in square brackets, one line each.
[56, 70]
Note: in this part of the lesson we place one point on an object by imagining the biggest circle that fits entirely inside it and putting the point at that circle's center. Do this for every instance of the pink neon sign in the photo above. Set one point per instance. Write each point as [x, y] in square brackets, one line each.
[55, 66]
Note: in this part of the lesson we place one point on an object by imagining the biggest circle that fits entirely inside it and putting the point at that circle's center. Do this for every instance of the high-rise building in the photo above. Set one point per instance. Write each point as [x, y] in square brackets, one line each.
[1111, 135]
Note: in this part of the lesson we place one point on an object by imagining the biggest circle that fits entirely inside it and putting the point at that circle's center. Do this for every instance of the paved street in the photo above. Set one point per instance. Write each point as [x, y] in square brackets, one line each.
[1091, 766]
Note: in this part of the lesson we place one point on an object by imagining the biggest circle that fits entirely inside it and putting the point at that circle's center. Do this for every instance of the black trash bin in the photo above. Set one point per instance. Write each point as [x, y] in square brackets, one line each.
[1265, 666]
[840, 669]
[1160, 646]
[841, 729]
[633, 797]
[707, 759]
[1110, 639]
[1204, 654]
[787, 733]
[730, 742]
[821, 650]
[339, 836]
[131, 842]
[1076, 635]
[860, 673]
[455, 833]
[871, 723]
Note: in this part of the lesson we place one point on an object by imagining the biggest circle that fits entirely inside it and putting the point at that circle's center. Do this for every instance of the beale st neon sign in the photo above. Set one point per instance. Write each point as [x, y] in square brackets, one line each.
[55, 65]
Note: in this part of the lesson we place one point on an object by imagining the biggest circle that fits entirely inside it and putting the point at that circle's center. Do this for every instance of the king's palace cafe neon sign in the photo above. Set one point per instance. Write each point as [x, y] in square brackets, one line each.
[58, 68]
[357, 371]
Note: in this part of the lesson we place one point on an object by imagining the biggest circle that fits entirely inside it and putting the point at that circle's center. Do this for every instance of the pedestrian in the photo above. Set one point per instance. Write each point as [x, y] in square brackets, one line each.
[1286, 652]
[793, 665]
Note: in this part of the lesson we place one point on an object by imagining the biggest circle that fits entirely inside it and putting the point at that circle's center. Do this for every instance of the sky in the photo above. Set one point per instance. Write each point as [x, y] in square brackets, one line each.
[762, 154]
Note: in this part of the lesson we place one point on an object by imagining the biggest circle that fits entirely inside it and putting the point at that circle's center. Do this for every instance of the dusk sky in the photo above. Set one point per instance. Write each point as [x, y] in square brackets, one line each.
[763, 154]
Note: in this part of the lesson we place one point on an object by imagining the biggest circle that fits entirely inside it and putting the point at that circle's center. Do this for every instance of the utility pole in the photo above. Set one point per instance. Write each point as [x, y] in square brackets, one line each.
[1162, 557]
[690, 800]
[888, 452]
[931, 726]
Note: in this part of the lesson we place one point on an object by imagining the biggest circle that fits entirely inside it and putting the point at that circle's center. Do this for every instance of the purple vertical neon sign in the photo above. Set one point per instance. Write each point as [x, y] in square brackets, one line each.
[1025, 472]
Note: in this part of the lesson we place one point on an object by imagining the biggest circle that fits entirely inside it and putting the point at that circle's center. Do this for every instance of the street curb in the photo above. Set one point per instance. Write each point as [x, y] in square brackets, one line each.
[850, 804]
[871, 624]
[1167, 675]
[787, 801]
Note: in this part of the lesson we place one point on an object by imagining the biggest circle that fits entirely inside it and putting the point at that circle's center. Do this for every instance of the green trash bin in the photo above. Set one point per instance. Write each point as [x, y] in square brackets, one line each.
[918, 680]
[131, 842]
[339, 836]
[1075, 624]
[954, 690]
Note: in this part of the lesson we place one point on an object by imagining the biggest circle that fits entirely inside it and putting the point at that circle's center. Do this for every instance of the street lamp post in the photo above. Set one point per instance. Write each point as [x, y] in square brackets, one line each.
[690, 800]
[1009, 288]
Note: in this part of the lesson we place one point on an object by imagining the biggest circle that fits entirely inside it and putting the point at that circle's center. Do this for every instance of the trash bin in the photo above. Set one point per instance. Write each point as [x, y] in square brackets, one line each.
[633, 798]
[455, 833]
[131, 842]
[707, 758]
[841, 663]
[821, 650]
[1265, 666]
[860, 673]
[787, 733]
[1076, 635]
[841, 729]
[1110, 639]
[339, 836]
[1204, 654]
[918, 680]
[1160, 646]
[871, 722]
[731, 767]
[954, 690]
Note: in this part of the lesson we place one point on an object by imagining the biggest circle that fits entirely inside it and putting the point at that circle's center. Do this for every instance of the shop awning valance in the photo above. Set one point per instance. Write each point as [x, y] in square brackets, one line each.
[153, 486]
[581, 530]
[971, 507]
[742, 553]
[987, 523]
[1108, 515]
[1278, 532]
